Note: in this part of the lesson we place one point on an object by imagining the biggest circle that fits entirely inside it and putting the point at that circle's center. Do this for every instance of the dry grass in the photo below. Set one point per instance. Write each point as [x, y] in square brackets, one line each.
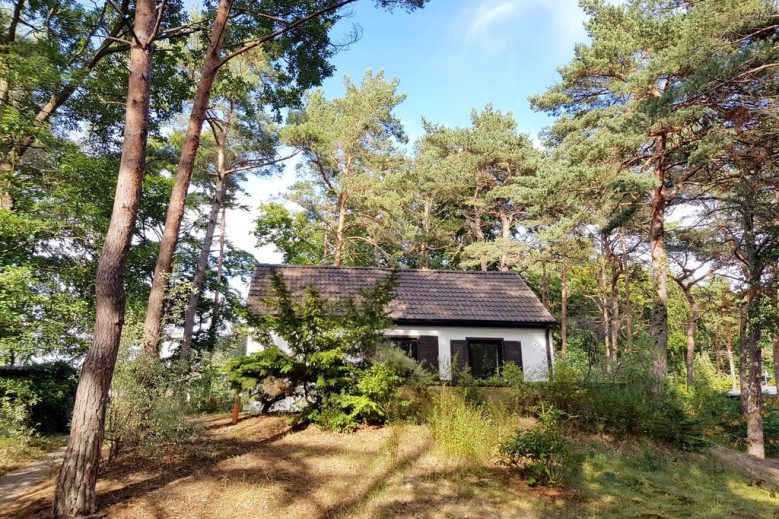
[260, 468]
[18, 451]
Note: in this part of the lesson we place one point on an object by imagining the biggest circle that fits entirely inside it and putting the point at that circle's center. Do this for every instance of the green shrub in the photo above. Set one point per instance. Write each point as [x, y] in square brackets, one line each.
[539, 455]
[16, 400]
[37, 399]
[338, 357]
[147, 407]
[622, 403]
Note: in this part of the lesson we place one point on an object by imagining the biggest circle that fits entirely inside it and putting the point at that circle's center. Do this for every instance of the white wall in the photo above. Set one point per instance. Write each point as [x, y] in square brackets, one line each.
[533, 342]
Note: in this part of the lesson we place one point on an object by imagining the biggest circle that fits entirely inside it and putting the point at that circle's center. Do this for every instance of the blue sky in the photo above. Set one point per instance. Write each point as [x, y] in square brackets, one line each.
[455, 55]
[450, 57]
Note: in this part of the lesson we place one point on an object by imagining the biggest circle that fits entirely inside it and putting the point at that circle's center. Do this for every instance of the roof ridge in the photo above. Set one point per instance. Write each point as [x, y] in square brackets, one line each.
[387, 269]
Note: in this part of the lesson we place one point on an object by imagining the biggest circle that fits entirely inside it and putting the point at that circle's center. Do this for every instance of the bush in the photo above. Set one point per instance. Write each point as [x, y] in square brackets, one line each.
[147, 407]
[37, 399]
[16, 400]
[539, 455]
[621, 403]
[207, 389]
[338, 359]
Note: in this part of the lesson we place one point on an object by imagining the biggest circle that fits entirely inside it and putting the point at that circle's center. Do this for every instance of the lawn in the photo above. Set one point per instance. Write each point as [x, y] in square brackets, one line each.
[262, 468]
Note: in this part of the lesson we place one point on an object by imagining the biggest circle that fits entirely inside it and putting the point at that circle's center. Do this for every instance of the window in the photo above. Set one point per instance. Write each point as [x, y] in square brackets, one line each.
[409, 345]
[484, 356]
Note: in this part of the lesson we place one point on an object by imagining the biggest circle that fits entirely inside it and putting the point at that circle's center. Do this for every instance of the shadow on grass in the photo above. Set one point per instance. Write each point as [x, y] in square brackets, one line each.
[650, 482]
[297, 478]
[205, 452]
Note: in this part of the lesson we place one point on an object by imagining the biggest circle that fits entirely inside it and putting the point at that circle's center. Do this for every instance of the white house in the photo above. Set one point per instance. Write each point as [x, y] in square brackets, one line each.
[481, 319]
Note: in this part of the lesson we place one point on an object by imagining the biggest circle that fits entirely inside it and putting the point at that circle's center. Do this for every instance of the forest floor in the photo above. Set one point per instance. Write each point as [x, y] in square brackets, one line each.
[262, 468]
[17, 452]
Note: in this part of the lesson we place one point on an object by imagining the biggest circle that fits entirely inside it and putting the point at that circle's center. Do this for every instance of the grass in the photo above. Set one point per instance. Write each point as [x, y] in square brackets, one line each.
[467, 433]
[262, 468]
[16, 451]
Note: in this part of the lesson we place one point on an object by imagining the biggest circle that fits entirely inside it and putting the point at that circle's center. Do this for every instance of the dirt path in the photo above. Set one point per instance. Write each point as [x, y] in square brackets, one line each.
[14, 484]
[758, 468]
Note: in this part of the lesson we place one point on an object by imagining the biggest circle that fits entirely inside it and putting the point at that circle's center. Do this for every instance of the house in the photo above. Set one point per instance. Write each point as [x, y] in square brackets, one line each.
[481, 319]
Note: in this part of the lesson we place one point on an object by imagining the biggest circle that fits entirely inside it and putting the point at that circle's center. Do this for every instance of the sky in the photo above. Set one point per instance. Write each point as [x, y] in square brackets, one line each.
[450, 57]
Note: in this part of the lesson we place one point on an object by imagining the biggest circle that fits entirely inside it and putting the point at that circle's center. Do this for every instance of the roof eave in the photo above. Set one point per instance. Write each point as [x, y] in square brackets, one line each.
[476, 323]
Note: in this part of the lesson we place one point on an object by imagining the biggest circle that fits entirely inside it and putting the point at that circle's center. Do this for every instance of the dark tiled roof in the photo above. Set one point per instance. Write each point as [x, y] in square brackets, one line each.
[420, 295]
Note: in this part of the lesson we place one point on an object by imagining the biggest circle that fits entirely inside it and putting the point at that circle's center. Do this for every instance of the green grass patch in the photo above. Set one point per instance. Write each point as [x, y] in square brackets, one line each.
[643, 480]
[468, 431]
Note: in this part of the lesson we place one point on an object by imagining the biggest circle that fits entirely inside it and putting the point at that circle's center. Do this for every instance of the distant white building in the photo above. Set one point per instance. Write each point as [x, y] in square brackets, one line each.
[482, 319]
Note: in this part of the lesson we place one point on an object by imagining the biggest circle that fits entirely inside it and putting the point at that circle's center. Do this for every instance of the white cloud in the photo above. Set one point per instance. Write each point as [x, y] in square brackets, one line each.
[490, 25]
[490, 14]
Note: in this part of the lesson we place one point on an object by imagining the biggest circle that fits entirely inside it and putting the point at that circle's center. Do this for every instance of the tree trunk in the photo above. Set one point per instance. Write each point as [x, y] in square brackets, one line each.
[615, 324]
[659, 272]
[156, 306]
[754, 412]
[743, 358]
[692, 327]
[564, 307]
[505, 233]
[750, 340]
[628, 305]
[341, 230]
[200, 270]
[426, 234]
[775, 344]
[479, 236]
[219, 267]
[604, 303]
[75, 494]
[729, 349]
[544, 285]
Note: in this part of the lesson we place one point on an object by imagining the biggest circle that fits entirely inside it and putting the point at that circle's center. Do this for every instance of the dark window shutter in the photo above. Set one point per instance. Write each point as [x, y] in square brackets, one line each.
[512, 352]
[428, 352]
[460, 350]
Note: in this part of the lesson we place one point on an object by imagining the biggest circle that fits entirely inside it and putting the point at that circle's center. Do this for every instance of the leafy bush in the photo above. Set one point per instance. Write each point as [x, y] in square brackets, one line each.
[16, 400]
[147, 407]
[37, 399]
[206, 387]
[539, 455]
[621, 403]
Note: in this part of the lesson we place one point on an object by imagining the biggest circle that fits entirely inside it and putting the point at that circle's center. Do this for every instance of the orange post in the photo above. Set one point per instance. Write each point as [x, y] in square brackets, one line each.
[236, 410]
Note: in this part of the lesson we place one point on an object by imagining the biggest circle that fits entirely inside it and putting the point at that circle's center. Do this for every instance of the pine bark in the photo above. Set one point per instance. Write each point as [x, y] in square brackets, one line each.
[75, 493]
[340, 234]
[200, 270]
[426, 224]
[692, 328]
[506, 222]
[615, 322]
[751, 351]
[564, 307]
[659, 325]
[628, 305]
[775, 347]
[604, 304]
[731, 363]
[156, 306]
